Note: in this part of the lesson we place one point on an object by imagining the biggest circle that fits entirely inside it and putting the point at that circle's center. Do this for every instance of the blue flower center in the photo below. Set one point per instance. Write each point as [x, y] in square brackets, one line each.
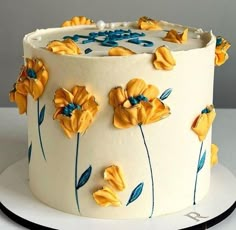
[206, 110]
[136, 100]
[219, 41]
[67, 110]
[31, 73]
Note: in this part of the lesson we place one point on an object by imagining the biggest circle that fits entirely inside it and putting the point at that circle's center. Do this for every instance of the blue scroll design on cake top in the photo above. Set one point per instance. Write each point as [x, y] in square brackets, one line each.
[112, 37]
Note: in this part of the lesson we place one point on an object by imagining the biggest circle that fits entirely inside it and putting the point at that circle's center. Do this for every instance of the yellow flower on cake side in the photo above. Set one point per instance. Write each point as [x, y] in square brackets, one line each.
[163, 59]
[106, 197]
[68, 46]
[115, 177]
[221, 55]
[145, 23]
[19, 93]
[214, 154]
[137, 104]
[203, 122]
[75, 109]
[174, 36]
[77, 20]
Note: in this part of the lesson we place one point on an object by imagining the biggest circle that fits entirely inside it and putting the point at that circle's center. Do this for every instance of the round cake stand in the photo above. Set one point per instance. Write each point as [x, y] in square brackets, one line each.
[18, 203]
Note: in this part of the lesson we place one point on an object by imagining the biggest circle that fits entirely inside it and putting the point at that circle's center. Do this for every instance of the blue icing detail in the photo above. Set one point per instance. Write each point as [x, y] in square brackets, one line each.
[218, 41]
[88, 50]
[110, 38]
[31, 73]
[206, 110]
[67, 110]
[136, 100]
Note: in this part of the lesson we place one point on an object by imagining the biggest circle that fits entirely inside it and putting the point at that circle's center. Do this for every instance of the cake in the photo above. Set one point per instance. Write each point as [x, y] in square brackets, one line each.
[119, 116]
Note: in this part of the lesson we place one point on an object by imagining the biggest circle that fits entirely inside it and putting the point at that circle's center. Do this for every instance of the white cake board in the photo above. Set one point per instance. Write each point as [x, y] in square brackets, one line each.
[18, 203]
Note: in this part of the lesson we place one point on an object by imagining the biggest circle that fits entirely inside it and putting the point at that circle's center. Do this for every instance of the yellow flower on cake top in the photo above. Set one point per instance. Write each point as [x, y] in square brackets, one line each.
[137, 104]
[203, 122]
[106, 197]
[163, 59]
[77, 20]
[19, 93]
[120, 51]
[68, 46]
[145, 23]
[221, 55]
[115, 177]
[75, 109]
[174, 36]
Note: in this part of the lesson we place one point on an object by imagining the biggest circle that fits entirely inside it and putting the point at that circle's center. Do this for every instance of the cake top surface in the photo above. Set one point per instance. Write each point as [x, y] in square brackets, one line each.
[98, 39]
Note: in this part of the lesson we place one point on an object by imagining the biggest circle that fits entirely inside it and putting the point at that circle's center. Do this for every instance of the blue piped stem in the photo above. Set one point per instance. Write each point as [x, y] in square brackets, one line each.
[39, 131]
[195, 185]
[76, 171]
[150, 167]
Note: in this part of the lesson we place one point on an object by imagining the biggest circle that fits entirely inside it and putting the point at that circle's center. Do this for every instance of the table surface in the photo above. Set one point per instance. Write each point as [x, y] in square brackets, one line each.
[13, 147]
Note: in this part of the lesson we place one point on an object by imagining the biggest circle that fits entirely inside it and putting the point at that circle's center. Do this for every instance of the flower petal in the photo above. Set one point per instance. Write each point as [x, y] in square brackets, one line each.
[117, 96]
[115, 177]
[65, 123]
[91, 106]
[42, 76]
[126, 118]
[80, 94]
[163, 59]
[145, 23]
[136, 87]
[214, 154]
[63, 97]
[36, 88]
[120, 51]
[106, 197]
[151, 92]
[77, 20]
[173, 36]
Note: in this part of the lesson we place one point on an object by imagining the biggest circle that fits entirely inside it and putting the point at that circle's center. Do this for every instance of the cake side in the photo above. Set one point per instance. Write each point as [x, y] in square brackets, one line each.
[158, 160]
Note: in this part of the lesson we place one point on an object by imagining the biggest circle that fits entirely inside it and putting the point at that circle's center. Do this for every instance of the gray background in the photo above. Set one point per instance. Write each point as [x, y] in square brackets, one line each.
[18, 17]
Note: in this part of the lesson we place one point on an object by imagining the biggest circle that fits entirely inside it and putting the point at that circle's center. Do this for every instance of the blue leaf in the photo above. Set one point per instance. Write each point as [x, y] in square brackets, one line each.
[166, 94]
[84, 177]
[41, 115]
[29, 152]
[135, 193]
[201, 162]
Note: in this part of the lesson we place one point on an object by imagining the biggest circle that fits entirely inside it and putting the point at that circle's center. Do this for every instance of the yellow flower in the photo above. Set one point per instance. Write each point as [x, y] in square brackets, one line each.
[173, 36]
[203, 122]
[137, 104]
[37, 77]
[145, 23]
[75, 109]
[106, 197]
[163, 59]
[77, 20]
[120, 51]
[19, 93]
[68, 46]
[221, 55]
[214, 154]
[33, 79]
[114, 176]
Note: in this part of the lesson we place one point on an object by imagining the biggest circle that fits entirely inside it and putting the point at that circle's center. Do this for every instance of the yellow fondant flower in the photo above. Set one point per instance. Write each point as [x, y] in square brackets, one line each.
[19, 93]
[137, 104]
[37, 77]
[77, 20]
[68, 46]
[221, 55]
[203, 122]
[120, 51]
[145, 23]
[75, 109]
[174, 36]
[214, 154]
[114, 176]
[106, 197]
[163, 59]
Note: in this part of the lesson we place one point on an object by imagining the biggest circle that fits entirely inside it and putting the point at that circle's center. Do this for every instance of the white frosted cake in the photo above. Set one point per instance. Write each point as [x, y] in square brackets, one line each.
[119, 116]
